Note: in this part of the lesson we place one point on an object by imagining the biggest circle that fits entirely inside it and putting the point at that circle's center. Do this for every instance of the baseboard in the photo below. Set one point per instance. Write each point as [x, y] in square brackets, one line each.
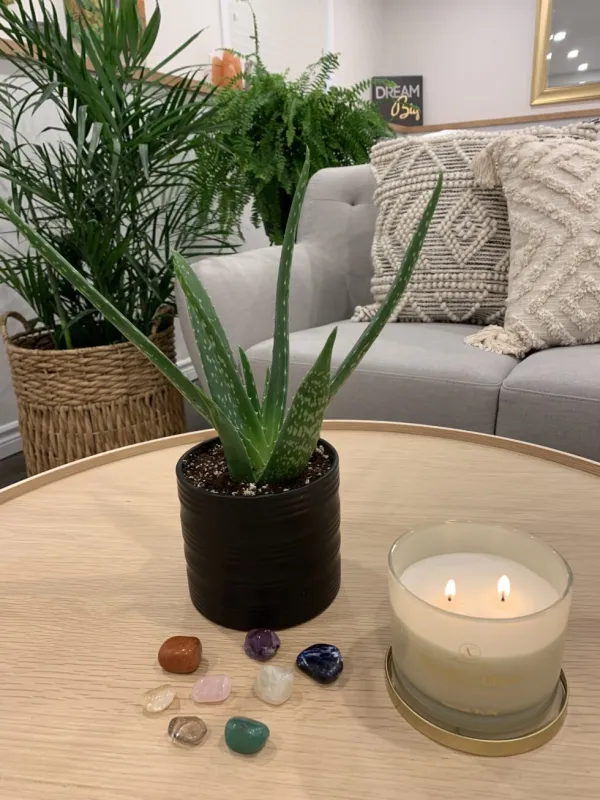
[10, 438]
[186, 366]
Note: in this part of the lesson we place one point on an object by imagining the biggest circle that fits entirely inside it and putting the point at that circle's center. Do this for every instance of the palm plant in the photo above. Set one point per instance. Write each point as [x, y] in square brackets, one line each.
[112, 186]
[263, 441]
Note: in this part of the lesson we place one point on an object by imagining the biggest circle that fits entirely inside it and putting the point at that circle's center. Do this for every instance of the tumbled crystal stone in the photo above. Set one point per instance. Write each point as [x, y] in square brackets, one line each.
[246, 736]
[156, 700]
[211, 689]
[180, 654]
[261, 644]
[188, 731]
[274, 685]
[322, 662]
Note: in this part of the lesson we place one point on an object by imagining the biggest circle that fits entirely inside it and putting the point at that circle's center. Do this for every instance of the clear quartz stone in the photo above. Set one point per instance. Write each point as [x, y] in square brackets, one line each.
[157, 700]
[274, 685]
[188, 731]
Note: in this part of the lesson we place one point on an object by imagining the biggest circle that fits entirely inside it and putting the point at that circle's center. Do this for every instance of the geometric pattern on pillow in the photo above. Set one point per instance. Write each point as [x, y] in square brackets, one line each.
[553, 194]
[462, 272]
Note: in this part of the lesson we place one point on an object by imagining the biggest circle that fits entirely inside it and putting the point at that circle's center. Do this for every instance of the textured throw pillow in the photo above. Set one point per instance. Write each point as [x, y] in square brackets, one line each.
[553, 194]
[462, 273]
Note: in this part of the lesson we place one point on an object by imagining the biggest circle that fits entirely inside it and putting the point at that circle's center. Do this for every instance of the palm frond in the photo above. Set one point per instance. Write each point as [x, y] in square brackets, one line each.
[115, 192]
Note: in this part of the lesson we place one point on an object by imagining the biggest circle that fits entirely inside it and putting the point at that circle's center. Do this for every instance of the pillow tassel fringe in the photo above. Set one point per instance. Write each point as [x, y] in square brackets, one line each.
[484, 169]
[496, 339]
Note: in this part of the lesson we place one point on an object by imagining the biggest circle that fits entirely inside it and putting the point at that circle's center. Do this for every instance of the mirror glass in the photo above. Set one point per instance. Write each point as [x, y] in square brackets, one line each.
[573, 55]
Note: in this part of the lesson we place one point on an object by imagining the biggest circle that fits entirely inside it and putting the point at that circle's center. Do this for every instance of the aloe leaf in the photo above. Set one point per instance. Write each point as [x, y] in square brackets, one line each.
[300, 432]
[198, 290]
[378, 322]
[276, 398]
[238, 461]
[222, 376]
[265, 390]
[238, 456]
[249, 381]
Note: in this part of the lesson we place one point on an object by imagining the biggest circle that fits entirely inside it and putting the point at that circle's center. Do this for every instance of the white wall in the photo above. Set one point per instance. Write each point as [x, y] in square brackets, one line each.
[358, 32]
[292, 34]
[475, 56]
[180, 20]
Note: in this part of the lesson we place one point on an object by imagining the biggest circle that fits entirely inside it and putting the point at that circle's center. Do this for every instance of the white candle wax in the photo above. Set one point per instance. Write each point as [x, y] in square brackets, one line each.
[477, 662]
[476, 576]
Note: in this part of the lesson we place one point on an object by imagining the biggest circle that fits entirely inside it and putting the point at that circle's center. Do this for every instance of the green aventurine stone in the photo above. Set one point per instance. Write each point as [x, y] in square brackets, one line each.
[246, 736]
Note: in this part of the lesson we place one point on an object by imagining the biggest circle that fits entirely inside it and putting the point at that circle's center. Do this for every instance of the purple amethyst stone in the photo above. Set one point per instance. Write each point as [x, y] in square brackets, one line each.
[261, 644]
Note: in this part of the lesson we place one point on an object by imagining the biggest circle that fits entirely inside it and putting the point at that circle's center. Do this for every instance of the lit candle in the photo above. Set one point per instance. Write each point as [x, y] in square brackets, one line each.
[479, 619]
[504, 587]
[478, 583]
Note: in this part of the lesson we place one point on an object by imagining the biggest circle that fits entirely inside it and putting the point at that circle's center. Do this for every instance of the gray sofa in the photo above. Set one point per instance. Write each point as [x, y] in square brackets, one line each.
[420, 373]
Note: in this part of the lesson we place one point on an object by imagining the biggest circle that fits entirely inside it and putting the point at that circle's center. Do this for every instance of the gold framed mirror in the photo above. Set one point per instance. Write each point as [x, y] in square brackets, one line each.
[566, 62]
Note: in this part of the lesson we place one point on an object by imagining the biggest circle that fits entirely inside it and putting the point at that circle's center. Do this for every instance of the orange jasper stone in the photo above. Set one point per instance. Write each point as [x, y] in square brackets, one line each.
[180, 654]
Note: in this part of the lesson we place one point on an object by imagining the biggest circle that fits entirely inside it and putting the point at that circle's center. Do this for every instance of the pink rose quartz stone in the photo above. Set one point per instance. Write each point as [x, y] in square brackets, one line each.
[211, 689]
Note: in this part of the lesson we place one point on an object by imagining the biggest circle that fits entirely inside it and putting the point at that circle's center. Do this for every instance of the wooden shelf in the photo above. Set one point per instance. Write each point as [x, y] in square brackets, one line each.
[9, 48]
[492, 123]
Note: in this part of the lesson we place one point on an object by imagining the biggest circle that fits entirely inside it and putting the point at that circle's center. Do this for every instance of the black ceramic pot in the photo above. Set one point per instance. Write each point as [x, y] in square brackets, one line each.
[262, 562]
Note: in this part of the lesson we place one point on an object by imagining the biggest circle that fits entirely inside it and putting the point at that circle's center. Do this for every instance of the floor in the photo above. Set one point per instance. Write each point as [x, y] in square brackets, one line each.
[12, 469]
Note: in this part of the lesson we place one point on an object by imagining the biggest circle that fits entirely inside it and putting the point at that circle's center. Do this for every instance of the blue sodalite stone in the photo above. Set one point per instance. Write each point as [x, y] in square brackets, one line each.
[321, 662]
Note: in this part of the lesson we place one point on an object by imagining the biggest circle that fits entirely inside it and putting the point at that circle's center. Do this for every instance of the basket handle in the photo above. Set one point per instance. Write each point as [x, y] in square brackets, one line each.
[29, 326]
[163, 311]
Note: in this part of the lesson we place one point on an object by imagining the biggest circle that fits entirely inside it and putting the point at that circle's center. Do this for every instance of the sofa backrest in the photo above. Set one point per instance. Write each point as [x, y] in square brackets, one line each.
[339, 217]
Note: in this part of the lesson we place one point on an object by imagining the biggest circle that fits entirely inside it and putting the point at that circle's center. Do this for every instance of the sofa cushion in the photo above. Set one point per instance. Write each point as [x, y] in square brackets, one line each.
[413, 373]
[552, 398]
[337, 221]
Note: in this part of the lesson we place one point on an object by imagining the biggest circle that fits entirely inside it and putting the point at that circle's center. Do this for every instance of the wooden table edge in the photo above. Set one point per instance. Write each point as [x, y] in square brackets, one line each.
[511, 445]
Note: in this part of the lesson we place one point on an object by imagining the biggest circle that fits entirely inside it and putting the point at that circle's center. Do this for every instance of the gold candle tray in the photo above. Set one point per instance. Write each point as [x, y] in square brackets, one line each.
[469, 744]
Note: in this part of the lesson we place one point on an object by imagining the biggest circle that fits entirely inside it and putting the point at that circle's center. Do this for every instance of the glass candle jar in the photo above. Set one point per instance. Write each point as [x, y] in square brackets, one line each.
[479, 616]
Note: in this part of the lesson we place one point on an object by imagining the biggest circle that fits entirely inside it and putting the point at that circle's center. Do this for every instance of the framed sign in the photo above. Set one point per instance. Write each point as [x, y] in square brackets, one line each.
[399, 99]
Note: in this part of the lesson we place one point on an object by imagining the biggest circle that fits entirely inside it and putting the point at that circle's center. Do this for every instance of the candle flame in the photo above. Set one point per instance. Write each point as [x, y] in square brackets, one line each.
[450, 589]
[503, 587]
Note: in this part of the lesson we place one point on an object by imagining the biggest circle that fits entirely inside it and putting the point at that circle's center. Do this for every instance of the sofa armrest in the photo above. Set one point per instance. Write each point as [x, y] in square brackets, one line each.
[242, 288]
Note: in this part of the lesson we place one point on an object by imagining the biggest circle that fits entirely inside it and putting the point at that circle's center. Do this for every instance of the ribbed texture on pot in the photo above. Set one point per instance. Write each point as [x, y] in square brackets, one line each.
[76, 403]
[270, 561]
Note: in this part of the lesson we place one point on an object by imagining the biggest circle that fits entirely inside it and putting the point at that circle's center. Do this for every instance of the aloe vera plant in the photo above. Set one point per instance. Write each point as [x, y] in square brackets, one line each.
[264, 441]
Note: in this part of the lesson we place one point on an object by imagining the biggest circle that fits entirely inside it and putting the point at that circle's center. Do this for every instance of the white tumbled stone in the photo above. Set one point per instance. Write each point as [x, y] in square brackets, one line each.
[274, 684]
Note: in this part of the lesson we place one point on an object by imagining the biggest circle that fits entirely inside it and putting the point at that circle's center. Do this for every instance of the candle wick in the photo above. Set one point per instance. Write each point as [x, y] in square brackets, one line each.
[449, 598]
[503, 598]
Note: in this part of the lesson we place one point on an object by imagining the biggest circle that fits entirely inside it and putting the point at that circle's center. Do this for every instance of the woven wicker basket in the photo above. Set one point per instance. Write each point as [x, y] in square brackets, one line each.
[76, 403]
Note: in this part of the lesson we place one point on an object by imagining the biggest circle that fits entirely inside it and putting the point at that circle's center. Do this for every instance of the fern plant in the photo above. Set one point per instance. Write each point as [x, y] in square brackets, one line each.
[263, 440]
[269, 125]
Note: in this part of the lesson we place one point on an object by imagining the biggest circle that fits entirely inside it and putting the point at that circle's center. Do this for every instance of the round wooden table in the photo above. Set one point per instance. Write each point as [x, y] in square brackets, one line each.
[92, 580]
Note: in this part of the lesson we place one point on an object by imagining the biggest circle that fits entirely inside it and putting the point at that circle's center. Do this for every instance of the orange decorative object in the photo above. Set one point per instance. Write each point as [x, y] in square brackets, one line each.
[217, 71]
[225, 69]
